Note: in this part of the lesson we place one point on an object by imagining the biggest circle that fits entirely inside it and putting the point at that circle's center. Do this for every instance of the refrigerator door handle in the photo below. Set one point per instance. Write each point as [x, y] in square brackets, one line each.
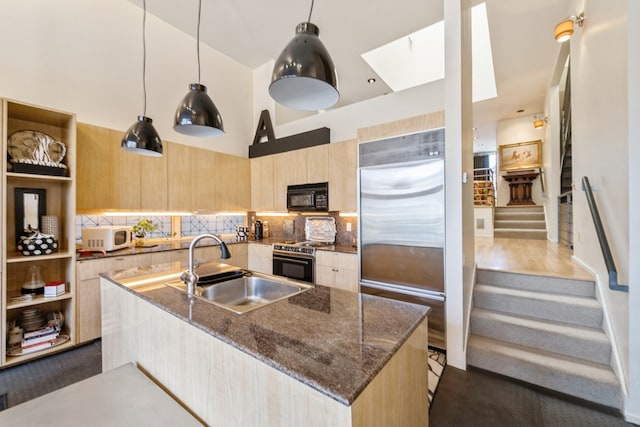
[438, 296]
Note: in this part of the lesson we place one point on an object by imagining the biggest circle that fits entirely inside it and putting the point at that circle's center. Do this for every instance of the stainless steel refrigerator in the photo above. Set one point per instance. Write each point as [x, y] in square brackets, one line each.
[401, 215]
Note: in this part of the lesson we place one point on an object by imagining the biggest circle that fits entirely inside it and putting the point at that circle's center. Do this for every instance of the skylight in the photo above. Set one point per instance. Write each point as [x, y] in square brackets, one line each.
[418, 58]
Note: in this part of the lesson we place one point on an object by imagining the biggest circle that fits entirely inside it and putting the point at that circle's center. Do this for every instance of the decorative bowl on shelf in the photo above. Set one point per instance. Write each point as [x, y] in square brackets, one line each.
[35, 152]
[37, 244]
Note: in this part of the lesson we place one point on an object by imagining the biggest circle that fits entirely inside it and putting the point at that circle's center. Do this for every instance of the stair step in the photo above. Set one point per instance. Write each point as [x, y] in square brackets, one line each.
[516, 233]
[560, 308]
[530, 282]
[519, 216]
[514, 209]
[520, 224]
[584, 343]
[589, 381]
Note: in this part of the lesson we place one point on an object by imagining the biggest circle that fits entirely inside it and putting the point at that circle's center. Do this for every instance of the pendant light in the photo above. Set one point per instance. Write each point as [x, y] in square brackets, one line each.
[304, 77]
[142, 137]
[197, 115]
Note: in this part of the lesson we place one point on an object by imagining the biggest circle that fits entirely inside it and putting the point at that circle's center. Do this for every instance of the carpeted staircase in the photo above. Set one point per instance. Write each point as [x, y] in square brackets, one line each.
[545, 331]
[519, 222]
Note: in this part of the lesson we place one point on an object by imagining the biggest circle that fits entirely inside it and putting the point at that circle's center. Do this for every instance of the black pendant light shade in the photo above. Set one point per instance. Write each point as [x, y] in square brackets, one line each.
[142, 138]
[304, 77]
[197, 115]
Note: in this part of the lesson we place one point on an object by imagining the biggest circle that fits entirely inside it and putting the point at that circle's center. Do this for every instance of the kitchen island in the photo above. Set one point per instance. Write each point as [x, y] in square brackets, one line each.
[322, 357]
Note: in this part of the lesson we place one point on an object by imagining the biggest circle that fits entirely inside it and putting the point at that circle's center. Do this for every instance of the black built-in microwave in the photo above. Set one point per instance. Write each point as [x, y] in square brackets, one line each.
[308, 197]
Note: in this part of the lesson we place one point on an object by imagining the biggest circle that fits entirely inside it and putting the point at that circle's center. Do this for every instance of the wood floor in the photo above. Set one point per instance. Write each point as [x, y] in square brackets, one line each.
[528, 256]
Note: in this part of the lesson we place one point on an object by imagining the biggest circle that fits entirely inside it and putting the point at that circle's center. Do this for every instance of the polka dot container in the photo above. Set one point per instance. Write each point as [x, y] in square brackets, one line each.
[37, 244]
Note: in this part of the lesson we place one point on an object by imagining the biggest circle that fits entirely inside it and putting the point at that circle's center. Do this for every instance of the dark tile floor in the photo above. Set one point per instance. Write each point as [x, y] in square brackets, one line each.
[477, 398]
[464, 398]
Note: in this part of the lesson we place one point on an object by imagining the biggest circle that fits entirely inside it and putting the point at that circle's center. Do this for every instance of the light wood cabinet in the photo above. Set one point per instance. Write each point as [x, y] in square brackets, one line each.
[179, 176]
[335, 163]
[260, 258]
[116, 179]
[202, 169]
[185, 178]
[232, 178]
[318, 163]
[337, 270]
[288, 169]
[88, 306]
[343, 169]
[59, 192]
[262, 184]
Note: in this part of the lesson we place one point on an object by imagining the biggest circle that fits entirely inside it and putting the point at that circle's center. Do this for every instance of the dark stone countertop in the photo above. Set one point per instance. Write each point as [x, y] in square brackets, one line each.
[334, 341]
[175, 245]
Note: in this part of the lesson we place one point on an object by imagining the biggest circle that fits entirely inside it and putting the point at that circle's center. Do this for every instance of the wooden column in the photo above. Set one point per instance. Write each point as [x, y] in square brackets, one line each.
[520, 187]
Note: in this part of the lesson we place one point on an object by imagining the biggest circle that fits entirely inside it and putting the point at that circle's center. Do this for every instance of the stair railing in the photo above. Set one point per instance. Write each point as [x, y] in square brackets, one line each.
[602, 237]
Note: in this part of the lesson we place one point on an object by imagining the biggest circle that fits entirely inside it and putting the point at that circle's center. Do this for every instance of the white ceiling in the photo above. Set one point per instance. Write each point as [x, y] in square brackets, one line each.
[254, 32]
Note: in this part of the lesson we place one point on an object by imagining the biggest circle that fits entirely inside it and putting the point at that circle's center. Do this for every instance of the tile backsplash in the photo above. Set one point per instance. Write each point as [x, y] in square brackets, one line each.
[216, 224]
[190, 225]
[280, 227]
[292, 227]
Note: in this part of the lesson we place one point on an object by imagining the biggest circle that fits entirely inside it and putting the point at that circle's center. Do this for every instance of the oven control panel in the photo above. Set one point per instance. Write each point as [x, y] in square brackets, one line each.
[294, 249]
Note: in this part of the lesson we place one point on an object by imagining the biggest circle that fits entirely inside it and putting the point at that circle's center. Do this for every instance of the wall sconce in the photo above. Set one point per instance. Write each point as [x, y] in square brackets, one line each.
[539, 123]
[564, 30]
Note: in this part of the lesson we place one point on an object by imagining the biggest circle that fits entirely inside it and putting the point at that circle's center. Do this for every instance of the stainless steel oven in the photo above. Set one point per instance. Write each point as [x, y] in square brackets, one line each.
[294, 262]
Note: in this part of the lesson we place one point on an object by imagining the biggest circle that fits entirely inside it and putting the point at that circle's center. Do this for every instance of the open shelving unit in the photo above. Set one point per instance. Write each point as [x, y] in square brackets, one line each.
[60, 201]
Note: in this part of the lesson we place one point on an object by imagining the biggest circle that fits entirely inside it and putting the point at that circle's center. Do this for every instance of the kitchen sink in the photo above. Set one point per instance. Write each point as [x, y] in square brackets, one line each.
[249, 292]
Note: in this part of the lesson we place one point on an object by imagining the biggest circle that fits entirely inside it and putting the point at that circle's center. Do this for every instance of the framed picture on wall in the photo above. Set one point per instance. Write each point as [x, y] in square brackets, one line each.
[523, 155]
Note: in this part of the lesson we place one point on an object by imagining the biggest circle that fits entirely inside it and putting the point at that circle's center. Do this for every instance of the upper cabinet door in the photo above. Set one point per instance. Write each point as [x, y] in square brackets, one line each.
[262, 184]
[288, 169]
[232, 179]
[318, 163]
[153, 182]
[94, 172]
[111, 178]
[343, 169]
[178, 176]
[204, 164]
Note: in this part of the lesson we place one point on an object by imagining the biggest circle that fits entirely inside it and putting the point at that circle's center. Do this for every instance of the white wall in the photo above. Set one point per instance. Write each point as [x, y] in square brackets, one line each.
[513, 131]
[345, 121]
[632, 405]
[86, 57]
[600, 148]
[483, 216]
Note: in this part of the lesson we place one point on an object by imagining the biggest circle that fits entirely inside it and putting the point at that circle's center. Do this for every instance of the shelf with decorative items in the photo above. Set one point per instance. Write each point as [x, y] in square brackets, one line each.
[38, 225]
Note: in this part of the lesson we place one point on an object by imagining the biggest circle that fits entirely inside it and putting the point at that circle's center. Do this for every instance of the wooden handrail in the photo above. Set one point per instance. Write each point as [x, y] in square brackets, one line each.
[602, 238]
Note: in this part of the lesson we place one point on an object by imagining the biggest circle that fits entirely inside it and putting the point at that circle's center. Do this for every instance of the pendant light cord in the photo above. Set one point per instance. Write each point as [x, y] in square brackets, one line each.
[311, 11]
[198, 37]
[144, 57]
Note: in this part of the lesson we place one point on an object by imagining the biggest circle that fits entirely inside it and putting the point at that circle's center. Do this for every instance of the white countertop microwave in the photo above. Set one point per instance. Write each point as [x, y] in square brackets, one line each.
[106, 238]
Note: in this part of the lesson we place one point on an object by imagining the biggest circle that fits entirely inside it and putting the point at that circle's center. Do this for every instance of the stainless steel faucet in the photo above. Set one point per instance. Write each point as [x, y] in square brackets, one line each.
[189, 277]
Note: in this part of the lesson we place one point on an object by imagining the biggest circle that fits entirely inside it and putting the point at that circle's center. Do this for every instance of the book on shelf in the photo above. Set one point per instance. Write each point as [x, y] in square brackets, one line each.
[54, 289]
[41, 331]
[40, 338]
[39, 346]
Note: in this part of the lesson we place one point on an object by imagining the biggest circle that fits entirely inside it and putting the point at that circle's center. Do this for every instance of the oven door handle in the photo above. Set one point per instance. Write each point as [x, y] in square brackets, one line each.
[294, 261]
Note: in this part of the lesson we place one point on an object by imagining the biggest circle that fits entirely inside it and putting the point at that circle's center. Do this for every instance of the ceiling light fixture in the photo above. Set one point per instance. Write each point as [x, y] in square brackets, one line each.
[564, 30]
[304, 77]
[371, 80]
[142, 137]
[196, 114]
